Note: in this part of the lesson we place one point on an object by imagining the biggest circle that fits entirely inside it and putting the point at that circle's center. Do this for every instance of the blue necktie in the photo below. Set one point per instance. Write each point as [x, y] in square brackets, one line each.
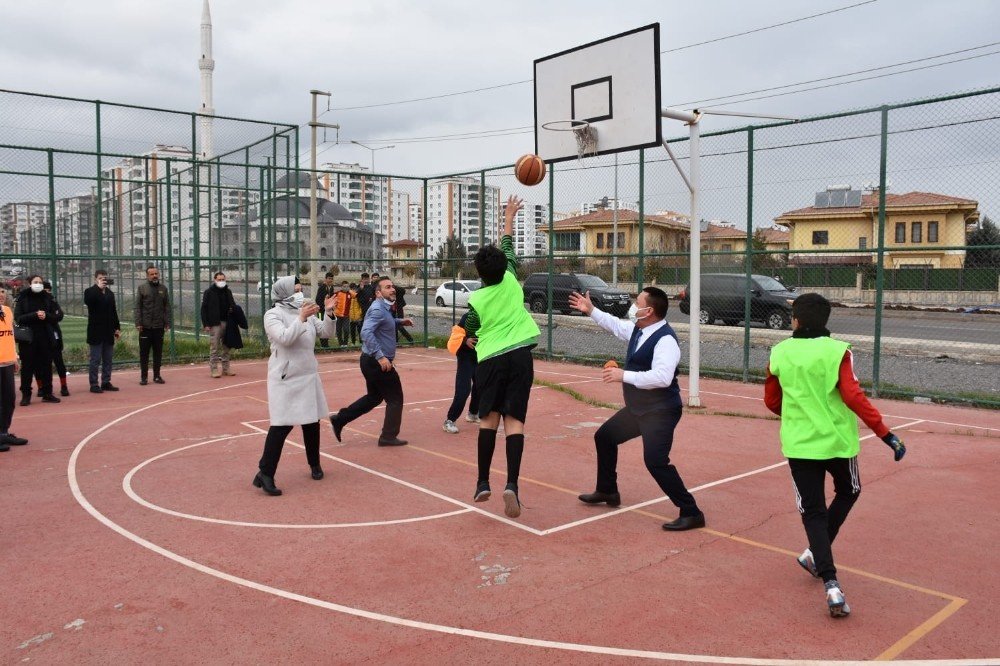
[632, 344]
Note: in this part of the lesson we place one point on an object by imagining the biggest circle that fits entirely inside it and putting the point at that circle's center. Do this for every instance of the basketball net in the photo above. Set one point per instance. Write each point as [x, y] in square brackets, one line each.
[586, 141]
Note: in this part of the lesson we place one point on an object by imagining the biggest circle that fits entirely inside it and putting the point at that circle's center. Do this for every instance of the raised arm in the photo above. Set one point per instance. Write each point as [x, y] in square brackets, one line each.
[514, 204]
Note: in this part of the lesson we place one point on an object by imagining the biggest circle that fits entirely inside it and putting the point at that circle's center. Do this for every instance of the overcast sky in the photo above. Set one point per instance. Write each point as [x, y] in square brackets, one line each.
[270, 54]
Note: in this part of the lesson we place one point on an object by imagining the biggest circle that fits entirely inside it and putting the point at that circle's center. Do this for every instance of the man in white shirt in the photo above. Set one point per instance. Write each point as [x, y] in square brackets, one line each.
[653, 403]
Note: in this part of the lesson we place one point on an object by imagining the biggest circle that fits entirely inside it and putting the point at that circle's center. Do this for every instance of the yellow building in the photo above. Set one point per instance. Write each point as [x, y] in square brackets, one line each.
[916, 224]
[405, 258]
[596, 233]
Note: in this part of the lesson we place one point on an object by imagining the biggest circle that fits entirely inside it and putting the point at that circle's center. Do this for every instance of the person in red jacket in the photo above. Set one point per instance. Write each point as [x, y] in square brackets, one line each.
[342, 311]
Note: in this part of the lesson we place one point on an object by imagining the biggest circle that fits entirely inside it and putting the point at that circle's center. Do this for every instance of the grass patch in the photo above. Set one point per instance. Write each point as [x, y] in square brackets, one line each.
[576, 395]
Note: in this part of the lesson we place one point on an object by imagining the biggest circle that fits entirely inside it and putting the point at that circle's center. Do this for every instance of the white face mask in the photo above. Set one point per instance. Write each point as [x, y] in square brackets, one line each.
[221, 284]
[298, 298]
[37, 287]
[633, 313]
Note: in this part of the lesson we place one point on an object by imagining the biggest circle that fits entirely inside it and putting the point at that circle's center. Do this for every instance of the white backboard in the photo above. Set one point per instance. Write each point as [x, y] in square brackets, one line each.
[613, 83]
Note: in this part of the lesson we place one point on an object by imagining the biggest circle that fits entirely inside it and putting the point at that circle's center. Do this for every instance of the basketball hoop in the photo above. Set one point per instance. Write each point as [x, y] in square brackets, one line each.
[586, 136]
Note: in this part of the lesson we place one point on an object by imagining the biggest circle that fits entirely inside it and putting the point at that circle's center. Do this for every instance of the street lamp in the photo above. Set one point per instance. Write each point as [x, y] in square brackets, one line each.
[381, 207]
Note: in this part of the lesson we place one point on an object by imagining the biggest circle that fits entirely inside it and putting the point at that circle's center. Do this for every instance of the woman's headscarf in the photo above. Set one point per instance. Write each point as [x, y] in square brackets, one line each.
[283, 289]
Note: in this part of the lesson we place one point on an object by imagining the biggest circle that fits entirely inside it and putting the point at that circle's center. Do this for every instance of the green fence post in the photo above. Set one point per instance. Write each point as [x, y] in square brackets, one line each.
[53, 274]
[170, 245]
[551, 262]
[97, 199]
[880, 252]
[748, 257]
[425, 267]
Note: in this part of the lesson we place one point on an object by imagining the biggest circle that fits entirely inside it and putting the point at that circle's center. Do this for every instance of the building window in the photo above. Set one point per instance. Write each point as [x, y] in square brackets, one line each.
[726, 247]
[600, 241]
[901, 232]
[916, 232]
[621, 239]
[821, 238]
[863, 242]
[932, 232]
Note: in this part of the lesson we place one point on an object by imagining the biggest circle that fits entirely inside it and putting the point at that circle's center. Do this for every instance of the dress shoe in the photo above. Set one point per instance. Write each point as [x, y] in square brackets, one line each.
[143, 381]
[685, 523]
[108, 386]
[4, 447]
[50, 398]
[96, 389]
[25, 400]
[64, 392]
[596, 497]
[391, 441]
[266, 483]
[337, 425]
[158, 380]
[317, 472]
[11, 439]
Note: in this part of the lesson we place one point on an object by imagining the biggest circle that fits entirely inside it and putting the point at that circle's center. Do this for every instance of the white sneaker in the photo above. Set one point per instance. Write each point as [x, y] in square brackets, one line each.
[806, 562]
[450, 427]
[472, 418]
[835, 600]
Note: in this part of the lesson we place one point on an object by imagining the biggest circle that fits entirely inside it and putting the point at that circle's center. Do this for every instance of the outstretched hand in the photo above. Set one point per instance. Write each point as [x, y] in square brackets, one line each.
[514, 204]
[581, 302]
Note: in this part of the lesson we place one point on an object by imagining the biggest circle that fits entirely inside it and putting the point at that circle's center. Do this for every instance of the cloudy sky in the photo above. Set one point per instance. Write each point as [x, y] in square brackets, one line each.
[270, 54]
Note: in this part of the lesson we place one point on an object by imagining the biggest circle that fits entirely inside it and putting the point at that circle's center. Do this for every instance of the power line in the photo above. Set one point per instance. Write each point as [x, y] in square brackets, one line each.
[679, 48]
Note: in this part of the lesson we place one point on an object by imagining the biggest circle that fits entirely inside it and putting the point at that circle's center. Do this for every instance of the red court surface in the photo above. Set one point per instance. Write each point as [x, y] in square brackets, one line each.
[131, 534]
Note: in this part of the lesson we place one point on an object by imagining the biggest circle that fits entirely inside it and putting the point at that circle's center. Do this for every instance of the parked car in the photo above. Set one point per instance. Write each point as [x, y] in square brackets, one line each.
[723, 297]
[456, 292]
[603, 295]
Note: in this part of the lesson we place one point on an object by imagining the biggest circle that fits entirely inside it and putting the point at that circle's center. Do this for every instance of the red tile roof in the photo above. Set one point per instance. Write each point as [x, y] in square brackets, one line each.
[869, 201]
[404, 243]
[675, 220]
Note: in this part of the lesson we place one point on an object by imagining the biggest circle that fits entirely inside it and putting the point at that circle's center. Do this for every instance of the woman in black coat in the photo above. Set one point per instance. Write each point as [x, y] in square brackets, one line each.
[36, 310]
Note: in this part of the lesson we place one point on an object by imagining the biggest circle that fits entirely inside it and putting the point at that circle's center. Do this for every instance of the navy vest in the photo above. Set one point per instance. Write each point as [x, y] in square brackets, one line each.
[641, 401]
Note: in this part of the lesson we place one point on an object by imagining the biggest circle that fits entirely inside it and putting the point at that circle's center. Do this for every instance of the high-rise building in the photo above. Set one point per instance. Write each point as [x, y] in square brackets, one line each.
[454, 207]
[608, 203]
[530, 239]
[24, 228]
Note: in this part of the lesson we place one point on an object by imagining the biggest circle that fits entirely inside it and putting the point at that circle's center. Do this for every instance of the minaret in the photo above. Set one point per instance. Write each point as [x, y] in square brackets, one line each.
[206, 65]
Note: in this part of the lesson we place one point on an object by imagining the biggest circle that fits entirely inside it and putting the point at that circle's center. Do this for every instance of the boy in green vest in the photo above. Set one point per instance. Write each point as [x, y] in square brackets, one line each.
[811, 385]
[504, 335]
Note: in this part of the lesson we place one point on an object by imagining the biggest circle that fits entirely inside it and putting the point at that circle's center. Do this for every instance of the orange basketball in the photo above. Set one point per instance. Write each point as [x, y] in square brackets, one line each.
[529, 169]
[611, 364]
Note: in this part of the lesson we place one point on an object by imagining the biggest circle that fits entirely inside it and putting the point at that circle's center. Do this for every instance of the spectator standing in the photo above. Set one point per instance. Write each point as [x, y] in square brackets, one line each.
[355, 315]
[8, 367]
[103, 329]
[57, 342]
[36, 310]
[399, 307]
[325, 290]
[217, 305]
[342, 311]
[366, 294]
[152, 319]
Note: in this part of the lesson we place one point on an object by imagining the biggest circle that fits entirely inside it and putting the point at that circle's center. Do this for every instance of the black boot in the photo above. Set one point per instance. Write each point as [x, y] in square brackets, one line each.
[266, 483]
[25, 398]
[317, 472]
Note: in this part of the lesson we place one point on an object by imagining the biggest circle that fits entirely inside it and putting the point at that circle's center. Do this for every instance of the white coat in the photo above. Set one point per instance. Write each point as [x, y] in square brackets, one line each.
[294, 390]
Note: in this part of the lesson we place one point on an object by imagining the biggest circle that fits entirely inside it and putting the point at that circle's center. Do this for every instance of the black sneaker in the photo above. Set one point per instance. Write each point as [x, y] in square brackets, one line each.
[50, 398]
[96, 389]
[158, 380]
[511, 503]
[12, 440]
[64, 392]
[143, 381]
[483, 491]
[108, 386]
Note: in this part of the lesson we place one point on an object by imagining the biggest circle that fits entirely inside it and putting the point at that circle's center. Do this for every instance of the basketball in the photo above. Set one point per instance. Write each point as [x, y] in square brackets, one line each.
[611, 364]
[529, 169]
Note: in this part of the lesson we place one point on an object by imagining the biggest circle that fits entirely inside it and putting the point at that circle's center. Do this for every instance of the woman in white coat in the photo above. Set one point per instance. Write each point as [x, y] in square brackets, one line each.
[294, 392]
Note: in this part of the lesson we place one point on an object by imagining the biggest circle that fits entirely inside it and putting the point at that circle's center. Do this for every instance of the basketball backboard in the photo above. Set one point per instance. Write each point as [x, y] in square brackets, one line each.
[613, 84]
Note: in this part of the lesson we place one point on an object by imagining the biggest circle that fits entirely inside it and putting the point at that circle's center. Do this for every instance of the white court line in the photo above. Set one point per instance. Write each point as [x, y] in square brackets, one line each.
[711, 484]
[426, 491]
[414, 624]
[127, 487]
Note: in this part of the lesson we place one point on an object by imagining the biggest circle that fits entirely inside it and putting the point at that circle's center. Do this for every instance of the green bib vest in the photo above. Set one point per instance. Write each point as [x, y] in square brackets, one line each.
[504, 323]
[815, 422]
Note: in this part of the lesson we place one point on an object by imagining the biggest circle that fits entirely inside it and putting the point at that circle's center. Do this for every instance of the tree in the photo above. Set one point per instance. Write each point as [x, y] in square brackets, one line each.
[450, 255]
[986, 234]
[762, 260]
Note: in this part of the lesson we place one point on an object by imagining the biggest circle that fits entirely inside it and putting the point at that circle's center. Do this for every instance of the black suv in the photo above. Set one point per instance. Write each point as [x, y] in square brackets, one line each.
[604, 296]
[723, 294]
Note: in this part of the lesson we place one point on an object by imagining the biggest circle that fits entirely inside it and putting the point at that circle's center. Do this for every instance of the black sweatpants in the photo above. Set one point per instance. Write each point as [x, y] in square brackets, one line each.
[822, 524]
[150, 338]
[465, 381]
[275, 441]
[381, 386]
[657, 431]
[6, 397]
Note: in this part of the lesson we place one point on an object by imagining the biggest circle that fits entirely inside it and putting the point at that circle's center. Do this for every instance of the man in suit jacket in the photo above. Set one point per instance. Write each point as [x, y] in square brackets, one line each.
[652, 403]
[103, 328]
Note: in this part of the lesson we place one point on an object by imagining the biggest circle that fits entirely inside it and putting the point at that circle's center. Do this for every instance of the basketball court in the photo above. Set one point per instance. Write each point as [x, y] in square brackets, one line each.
[135, 535]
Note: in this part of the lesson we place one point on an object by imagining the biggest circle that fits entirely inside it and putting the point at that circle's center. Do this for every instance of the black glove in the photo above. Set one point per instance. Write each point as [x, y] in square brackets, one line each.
[896, 444]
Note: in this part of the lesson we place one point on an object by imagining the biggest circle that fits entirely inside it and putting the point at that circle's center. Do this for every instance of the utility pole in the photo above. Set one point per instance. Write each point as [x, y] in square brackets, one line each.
[313, 227]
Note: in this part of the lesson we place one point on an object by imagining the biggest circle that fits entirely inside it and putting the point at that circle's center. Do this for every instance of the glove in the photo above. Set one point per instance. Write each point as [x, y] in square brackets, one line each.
[896, 444]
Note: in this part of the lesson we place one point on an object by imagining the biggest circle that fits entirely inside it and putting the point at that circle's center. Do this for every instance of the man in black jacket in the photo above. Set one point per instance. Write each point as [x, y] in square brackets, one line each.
[103, 328]
[366, 294]
[216, 306]
[152, 319]
[325, 289]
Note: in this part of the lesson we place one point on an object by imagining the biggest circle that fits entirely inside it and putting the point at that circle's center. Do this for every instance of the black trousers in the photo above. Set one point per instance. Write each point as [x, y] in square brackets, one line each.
[381, 386]
[356, 331]
[150, 338]
[36, 361]
[823, 524]
[465, 381]
[343, 330]
[657, 432]
[275, 441]
[6, 397]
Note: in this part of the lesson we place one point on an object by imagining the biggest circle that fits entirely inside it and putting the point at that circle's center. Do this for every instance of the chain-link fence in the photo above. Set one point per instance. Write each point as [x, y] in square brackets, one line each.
[885, 211]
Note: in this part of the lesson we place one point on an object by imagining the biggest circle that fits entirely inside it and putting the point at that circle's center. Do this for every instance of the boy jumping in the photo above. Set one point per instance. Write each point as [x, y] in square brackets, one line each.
[505, 334]
[811, 385]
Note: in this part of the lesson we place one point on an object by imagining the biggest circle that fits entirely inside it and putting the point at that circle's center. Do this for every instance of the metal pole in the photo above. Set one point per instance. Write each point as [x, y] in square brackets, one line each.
[694, 363]
[749, 258]
[614, 228]
[640, 277]
[313, 230]
[880, 252]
